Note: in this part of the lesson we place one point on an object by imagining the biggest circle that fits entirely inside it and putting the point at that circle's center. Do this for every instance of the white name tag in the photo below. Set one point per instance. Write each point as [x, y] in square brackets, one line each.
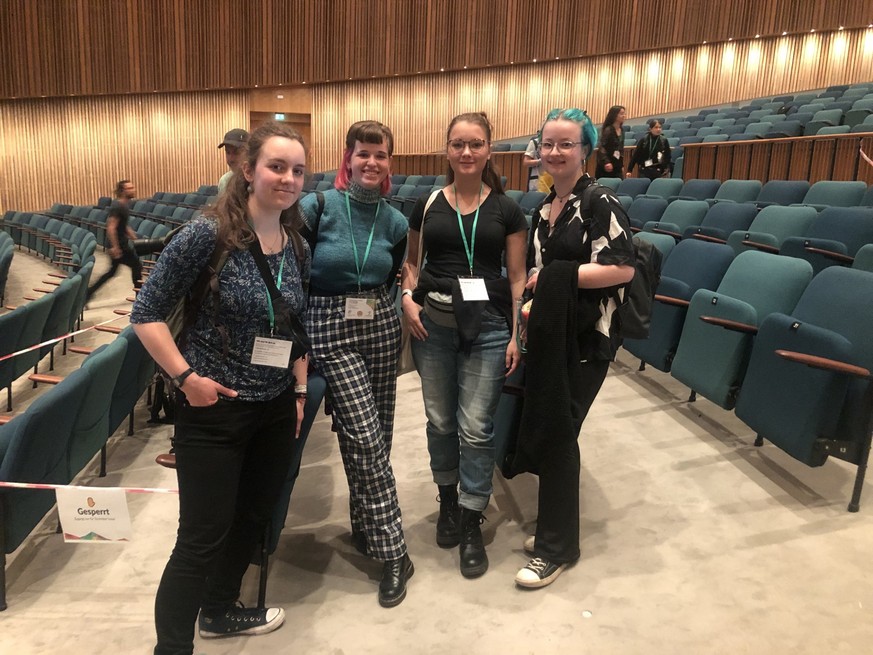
[648, 162]
[473, 288]
[360, 309]
[94, 516]
[616, 154]
[271, 352]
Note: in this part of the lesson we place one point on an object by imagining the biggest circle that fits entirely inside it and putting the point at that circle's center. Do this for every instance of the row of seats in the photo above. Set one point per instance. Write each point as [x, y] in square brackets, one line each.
[731, 327]
[822, 194]
[849, 106]
[64, 428]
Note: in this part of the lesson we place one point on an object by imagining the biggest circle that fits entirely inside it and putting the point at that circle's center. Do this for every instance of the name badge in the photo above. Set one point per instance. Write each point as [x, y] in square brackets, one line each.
[473, 288]
[648, 163]
[360, 309]
[616, 155]
[271, 352]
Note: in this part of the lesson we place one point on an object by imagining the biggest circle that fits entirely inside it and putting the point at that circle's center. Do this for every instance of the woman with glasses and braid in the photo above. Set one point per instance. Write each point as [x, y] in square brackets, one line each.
[582, 255]
[459, 309]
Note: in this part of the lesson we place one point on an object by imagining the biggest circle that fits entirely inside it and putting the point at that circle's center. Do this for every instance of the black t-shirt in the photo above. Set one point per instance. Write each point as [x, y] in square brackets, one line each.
[122, 215]
[499, 216]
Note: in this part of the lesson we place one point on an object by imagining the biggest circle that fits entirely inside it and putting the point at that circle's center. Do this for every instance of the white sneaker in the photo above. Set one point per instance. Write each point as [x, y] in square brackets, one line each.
[240, 620]
[539, 573]
[529, 544]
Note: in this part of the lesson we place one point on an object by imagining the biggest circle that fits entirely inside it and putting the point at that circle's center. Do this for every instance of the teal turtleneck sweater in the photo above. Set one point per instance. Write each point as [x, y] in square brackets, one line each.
[333, 256]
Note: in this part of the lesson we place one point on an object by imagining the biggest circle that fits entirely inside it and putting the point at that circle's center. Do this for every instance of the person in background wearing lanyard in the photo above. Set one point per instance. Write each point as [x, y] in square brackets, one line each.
[584, 252]
[358, 241]
[611, 148]
[460, 313]
[652, 153]
[238, 412]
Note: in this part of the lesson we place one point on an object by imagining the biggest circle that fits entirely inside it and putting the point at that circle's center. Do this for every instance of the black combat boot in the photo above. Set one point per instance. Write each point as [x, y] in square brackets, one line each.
[447, 531]
[474, 561]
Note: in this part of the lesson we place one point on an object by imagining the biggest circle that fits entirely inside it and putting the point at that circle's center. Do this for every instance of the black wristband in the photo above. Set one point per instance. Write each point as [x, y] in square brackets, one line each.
[179, 380]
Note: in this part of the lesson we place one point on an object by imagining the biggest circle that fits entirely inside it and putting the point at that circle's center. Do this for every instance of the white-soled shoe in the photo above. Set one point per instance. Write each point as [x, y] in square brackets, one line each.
[529, 544]
[539, 573]
[240, 620]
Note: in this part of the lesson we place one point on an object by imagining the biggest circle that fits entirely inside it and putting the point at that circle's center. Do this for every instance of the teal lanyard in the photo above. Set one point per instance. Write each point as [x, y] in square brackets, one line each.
[359, 266]
[469, 249]
[270, 311]
[653, 146]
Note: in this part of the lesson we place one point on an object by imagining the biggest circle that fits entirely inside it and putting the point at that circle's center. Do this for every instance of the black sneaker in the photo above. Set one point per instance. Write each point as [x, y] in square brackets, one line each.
[240, 620]
[539, 572]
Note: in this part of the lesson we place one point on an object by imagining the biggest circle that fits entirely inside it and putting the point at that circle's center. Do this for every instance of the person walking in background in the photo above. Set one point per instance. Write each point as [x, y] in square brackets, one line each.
[240, 398]
[652, 153]
[118, 233]
[460, 313]
[581, 254]
[610, 151]
[233, 143]
[358, 241]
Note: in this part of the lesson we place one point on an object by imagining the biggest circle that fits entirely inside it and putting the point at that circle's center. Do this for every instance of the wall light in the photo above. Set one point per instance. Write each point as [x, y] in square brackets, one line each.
[279, 117]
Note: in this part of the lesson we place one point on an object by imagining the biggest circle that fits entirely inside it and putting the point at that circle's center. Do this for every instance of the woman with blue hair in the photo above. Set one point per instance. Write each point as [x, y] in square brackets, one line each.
[581, 251]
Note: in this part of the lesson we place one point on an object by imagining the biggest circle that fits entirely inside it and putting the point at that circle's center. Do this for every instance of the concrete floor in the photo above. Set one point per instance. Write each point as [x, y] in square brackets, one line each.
[693, 541]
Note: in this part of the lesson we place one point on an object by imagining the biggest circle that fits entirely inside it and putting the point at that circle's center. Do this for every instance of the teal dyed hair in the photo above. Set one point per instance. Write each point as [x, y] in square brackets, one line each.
[580, 117]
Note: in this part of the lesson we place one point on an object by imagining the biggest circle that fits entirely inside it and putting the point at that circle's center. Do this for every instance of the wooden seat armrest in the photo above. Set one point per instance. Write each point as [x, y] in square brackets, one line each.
[80, 350]
[830, 254]
[121, 312]
[41, 290]
[45, 378]
[167, 460]
[706, 237]
[761, 246]
[29, 297]
[10, 307]
[53, 283]
[675, 235]
[669, 300]
[62, 276]
[635, 229]
[824, 363]
[108, 328]
[735, 326]
[6, 418]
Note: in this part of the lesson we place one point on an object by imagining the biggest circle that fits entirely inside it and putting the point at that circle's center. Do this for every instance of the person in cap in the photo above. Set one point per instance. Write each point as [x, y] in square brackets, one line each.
[233, 147]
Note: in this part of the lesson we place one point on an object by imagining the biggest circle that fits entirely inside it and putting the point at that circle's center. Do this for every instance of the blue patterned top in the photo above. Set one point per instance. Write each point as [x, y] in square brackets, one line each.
[243, 311]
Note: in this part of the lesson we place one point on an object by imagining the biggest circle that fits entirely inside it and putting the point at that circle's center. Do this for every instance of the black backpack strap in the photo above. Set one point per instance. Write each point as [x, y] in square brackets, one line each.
[311, 233]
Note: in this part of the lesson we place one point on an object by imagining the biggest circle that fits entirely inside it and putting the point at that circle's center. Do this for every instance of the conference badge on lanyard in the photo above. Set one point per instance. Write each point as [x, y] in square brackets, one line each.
[472, 287]
[272, 350]
[360, 306]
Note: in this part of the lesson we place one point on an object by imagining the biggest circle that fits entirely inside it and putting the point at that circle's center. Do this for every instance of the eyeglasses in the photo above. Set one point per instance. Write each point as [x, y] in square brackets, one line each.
[458, 145]
[563, 146]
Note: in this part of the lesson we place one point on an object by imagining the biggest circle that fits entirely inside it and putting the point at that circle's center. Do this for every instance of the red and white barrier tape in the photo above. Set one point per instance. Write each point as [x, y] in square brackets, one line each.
[61, 338]
[865, 157]
[130, 490]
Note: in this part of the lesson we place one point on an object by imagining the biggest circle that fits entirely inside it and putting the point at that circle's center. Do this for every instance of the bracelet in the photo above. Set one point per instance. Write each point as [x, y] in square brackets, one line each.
[179, 380]
[300, 396]
[406, 292]
[300, 388]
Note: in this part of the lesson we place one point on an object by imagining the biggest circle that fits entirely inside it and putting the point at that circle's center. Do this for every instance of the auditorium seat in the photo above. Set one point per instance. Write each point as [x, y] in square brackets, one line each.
[834, 193]
[782, 192]
[833, 237]
[770, 227]
[721, 221]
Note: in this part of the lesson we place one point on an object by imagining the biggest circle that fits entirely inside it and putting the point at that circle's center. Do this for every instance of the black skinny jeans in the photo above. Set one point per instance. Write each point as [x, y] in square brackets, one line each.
[231, 462]
[557, 536]
[128, 258]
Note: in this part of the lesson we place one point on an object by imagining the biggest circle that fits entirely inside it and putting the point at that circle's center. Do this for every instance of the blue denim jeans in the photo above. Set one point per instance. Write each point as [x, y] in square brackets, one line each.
[460, 397]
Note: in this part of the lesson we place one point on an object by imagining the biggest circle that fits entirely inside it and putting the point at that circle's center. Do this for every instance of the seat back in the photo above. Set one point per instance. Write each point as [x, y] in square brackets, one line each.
[739, 190]
[712, 360]
[782, 192]
[137, 371]
[664, 187]
[793, 405]
[700, 189]
[722, 219]
[633, 186]
[34, 322]
[830, 193]
[680, 215]
[772, 226]
[645, 210]
[692, 265]
[838, 231]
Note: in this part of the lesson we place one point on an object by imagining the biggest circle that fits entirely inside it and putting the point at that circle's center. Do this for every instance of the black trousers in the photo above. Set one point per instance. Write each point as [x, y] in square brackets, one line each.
[231, 462]
[128, 258]
[557, 535]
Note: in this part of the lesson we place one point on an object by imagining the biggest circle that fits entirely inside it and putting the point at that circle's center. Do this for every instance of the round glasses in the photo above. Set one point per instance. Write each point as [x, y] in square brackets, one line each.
[458, 145]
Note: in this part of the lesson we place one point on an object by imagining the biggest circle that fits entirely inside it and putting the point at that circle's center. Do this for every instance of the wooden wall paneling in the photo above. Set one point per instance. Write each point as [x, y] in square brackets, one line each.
[706, 161]
[865, 170]
[780, 159]
[801, 152]
[740, 160]
[74, 150]
[724, 163]
[759, 165]
[85, 47]
[511, 166]
[845, 159]
[691, 161]
[822, 160]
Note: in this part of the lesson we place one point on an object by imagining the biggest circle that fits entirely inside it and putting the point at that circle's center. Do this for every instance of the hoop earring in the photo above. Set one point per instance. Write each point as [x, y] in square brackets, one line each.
[249, 189]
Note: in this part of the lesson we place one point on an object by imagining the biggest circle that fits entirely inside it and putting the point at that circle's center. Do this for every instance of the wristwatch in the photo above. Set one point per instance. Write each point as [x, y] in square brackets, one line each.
[179, 380]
